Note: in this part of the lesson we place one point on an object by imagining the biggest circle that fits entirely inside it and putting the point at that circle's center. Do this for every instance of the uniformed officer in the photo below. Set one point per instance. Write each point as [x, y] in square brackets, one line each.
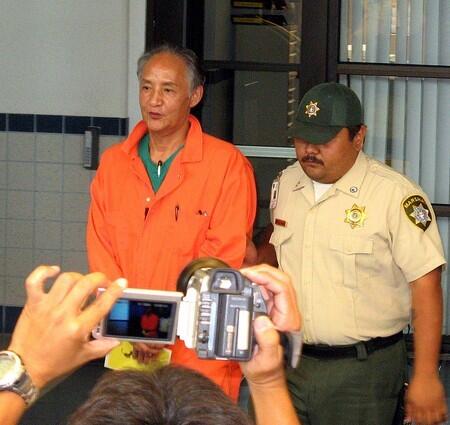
[362, 245]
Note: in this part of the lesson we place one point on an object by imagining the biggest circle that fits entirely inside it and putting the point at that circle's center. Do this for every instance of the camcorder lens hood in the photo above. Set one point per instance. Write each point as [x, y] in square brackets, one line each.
[194, 266]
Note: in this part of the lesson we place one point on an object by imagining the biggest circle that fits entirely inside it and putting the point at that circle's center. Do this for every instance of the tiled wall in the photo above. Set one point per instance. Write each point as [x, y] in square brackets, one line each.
[44, 196]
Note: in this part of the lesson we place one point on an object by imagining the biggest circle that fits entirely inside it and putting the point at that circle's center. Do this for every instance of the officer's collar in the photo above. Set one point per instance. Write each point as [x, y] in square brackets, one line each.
[349, 183]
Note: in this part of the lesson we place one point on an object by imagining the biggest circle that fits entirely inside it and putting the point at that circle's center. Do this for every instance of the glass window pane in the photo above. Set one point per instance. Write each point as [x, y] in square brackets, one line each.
[252, 31]
[251, 107]
[408, 128]
[395, 31]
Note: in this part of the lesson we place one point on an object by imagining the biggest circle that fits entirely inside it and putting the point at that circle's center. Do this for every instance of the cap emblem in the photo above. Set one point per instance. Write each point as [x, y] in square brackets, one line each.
[355, 216]
[311, 109]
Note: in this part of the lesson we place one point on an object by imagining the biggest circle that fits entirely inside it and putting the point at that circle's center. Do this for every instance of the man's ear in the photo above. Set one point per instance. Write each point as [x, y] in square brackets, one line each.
[196, 96]
[358, 140]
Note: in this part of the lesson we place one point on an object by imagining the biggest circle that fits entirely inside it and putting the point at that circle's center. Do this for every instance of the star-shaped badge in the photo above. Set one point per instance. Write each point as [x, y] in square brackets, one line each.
[420, 214]
[311, 109]
[355, 216]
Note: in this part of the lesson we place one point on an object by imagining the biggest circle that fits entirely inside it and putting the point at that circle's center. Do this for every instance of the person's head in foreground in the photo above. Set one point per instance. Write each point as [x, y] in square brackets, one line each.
[170, 395]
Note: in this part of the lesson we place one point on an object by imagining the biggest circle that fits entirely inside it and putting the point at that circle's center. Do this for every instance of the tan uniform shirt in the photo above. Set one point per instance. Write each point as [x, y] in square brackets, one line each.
[353, 253]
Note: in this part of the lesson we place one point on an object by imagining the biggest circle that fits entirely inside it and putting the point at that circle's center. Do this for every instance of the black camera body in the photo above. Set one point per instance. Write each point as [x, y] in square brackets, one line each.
[212, 312]
[227, 305]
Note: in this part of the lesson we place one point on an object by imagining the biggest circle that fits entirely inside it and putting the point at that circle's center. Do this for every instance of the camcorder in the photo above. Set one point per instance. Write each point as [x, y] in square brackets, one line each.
[212, 311]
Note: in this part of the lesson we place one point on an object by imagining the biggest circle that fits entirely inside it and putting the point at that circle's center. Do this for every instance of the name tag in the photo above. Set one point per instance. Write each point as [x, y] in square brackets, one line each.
[280, 222]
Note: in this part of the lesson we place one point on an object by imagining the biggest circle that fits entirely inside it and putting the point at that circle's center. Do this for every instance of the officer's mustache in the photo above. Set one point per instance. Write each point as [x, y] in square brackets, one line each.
[312, 158]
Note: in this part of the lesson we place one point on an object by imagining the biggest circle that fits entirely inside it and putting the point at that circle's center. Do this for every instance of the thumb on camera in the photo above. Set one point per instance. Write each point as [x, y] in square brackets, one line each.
[265, 332]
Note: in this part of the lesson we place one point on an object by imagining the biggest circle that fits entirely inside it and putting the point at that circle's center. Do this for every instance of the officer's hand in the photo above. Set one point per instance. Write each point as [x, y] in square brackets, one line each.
[53, 332]
[279, 295]
[144, 353]
[265, 369]
[425, 401]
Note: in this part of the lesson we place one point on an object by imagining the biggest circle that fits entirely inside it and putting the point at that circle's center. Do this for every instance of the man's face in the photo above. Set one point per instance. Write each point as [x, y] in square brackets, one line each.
[328, 162]
[165, 96]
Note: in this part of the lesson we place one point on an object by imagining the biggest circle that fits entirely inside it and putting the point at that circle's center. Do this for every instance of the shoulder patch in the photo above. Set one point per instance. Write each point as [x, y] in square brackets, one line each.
[417, 210]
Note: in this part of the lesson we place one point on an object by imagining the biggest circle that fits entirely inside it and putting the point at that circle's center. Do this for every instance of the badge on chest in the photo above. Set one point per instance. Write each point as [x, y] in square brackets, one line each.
[355, 216]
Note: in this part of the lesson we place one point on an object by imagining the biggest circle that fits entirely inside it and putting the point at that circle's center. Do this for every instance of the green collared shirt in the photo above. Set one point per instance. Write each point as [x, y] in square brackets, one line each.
[156, 172]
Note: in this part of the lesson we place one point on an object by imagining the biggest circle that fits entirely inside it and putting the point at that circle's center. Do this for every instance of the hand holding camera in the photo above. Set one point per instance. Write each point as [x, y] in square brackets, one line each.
[52, 333]
[213, 311]
[62, 318]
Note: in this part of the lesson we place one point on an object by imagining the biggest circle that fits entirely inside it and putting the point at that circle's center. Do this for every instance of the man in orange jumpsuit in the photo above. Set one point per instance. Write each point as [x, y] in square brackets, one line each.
[150, 323]
[170, 193]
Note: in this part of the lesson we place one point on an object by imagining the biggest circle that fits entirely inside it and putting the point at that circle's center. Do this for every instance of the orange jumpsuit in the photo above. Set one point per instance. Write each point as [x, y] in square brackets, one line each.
[205, 207]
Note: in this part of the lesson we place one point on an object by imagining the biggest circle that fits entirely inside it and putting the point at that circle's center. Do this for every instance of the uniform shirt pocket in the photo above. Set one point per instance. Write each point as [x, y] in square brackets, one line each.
[354, 254]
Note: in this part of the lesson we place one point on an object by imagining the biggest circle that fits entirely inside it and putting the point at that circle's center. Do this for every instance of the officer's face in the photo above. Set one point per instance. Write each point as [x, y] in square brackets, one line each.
[328, 162]
[165, 95]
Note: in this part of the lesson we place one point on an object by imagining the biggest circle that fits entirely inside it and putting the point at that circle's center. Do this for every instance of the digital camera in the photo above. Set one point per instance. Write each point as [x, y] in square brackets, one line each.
[212, 312]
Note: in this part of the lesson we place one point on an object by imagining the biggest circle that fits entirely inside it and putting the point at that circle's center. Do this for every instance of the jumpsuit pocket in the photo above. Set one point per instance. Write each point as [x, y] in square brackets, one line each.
[190, 233]
[279, 238]
[350, 250]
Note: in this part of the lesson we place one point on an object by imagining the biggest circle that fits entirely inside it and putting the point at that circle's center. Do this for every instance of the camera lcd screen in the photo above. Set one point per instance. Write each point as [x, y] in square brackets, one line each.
[149, 320]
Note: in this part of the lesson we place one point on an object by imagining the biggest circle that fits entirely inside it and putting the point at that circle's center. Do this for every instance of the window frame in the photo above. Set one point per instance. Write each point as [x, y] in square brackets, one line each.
[319, 54]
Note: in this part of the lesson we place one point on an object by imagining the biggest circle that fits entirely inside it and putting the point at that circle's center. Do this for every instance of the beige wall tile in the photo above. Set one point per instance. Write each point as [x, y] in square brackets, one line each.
[76, 179]
[21, 146]
[49, 177]
[49, 147]
[20, 176]
[2, 203]
[20, 205]
[19, 261]
[74, 236]
[75, 206]
[75, 261]
[3, 144]
[19, 234]
[47, 234]
[48, 206]
[15, 291]
[47, 257]
[73, 149]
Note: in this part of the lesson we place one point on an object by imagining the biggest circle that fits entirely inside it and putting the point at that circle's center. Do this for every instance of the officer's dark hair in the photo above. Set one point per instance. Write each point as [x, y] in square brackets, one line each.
[353, 130]
[169, 396]
[195, 70]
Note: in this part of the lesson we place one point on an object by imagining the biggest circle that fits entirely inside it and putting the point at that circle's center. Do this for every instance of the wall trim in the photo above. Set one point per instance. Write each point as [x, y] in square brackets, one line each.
[64, 124]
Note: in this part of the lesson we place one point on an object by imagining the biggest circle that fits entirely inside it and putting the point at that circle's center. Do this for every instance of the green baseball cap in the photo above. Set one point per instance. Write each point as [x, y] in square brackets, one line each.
[324, 111]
